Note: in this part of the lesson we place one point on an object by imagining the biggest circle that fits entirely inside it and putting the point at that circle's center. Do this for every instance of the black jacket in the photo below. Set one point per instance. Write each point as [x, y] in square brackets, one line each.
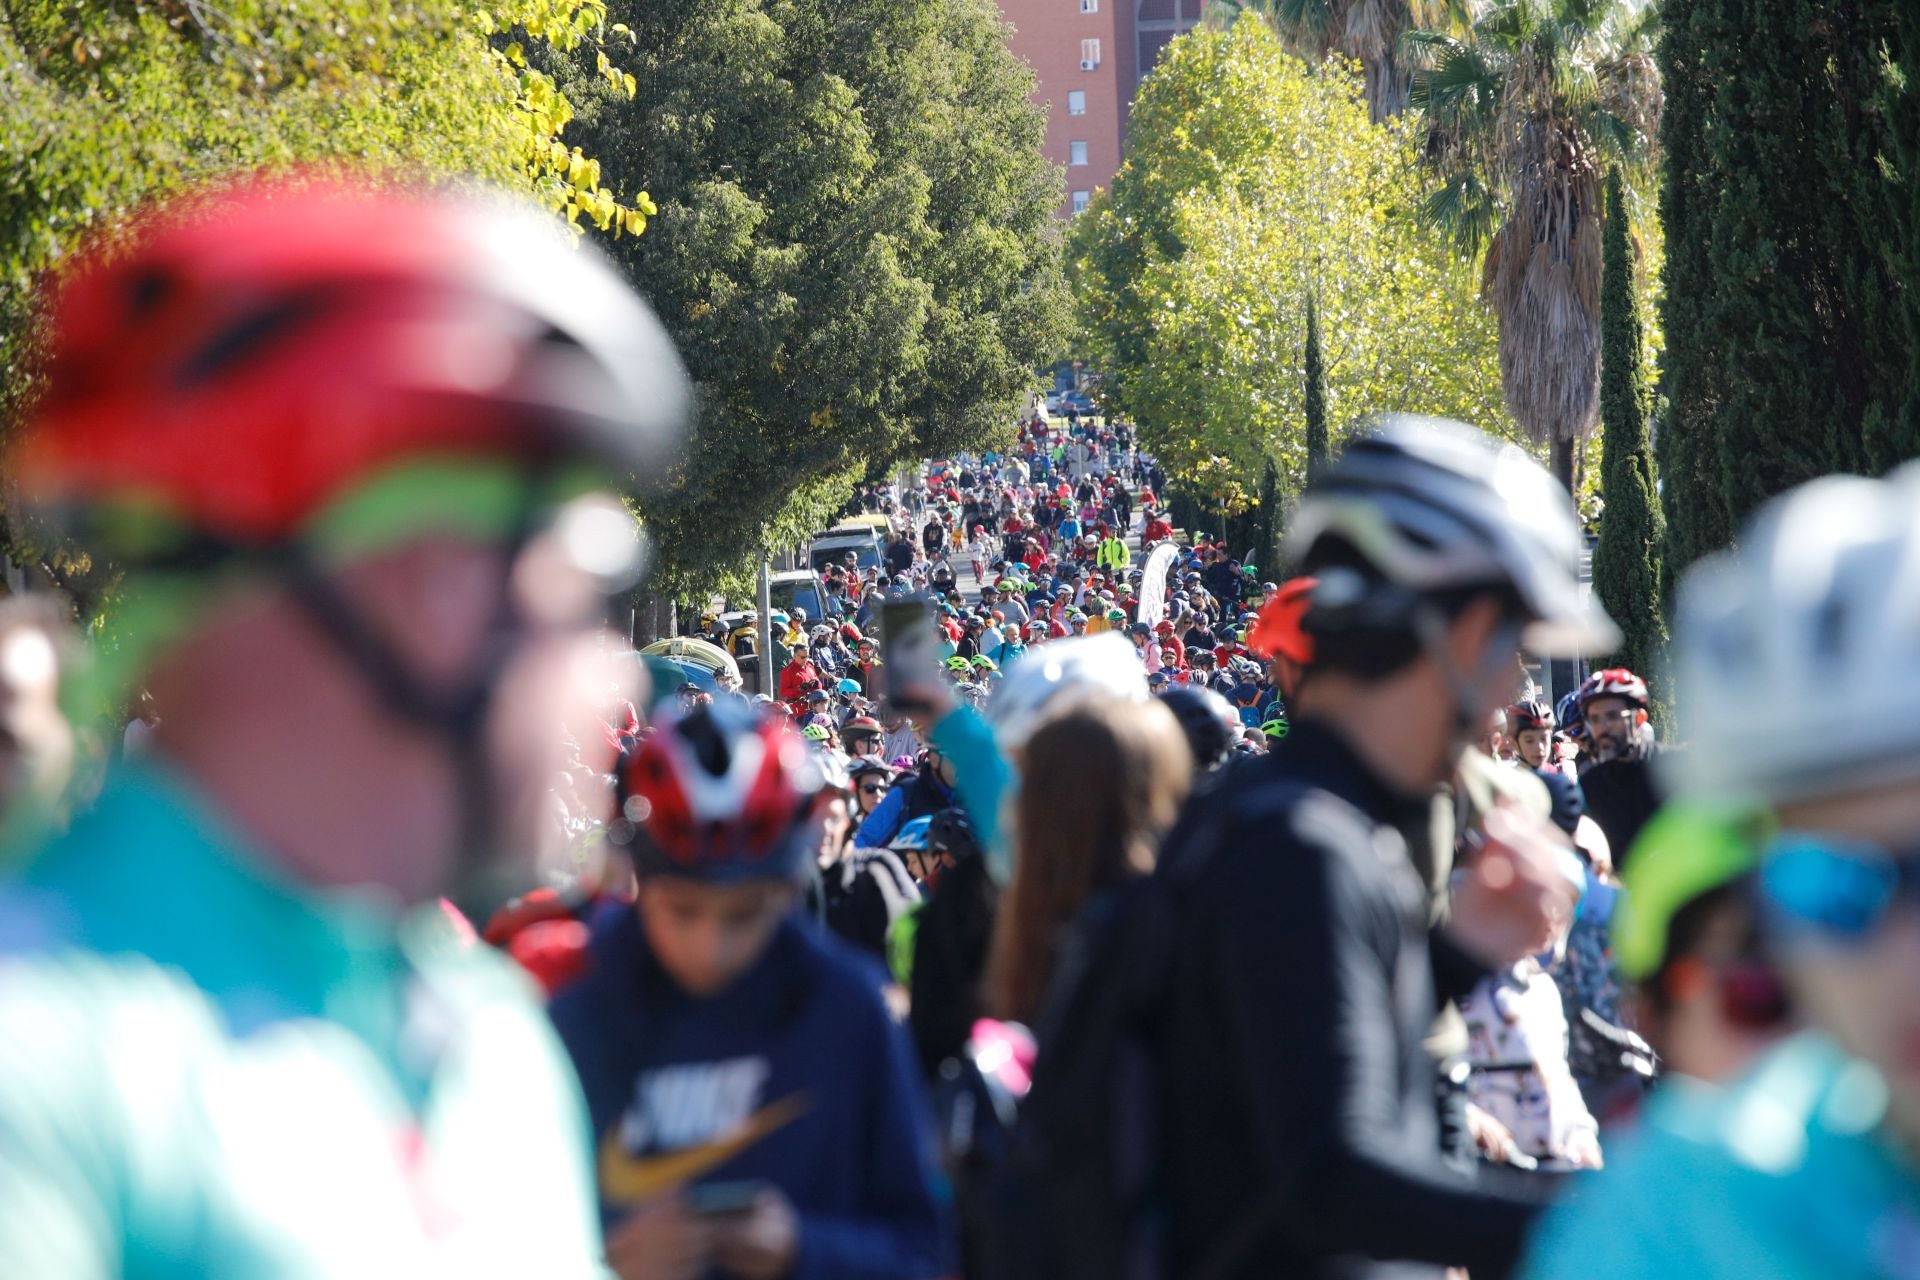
[1299, 1107]
[1622, 798]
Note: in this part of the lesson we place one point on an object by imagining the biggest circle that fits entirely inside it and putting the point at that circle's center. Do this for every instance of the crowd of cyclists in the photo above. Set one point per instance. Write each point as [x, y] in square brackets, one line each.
[1173, 920]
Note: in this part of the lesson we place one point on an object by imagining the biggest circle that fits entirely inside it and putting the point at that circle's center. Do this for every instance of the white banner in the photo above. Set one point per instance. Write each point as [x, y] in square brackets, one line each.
[1153, 582]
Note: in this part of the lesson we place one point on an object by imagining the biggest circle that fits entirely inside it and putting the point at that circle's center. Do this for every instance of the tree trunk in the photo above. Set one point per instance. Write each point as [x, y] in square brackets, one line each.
[1561, 462]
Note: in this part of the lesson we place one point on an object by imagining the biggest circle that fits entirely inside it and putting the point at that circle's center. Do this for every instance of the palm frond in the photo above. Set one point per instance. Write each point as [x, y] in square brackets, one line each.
[1463, 209]
[1309, 27]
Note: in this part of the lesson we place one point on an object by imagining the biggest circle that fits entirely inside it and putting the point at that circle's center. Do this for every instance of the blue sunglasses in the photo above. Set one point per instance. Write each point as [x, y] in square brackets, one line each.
[1834, 890]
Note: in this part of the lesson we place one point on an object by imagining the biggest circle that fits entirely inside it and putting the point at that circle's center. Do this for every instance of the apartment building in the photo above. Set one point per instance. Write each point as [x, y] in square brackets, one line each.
[1090, 56]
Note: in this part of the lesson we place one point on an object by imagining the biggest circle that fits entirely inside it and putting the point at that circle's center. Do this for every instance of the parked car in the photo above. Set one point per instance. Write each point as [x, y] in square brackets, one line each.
[1080, 402]
[863, 538]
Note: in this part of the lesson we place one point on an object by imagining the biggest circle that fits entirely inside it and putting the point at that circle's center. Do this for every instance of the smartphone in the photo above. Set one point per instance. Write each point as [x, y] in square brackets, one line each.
[724, 1199]
[909, 656]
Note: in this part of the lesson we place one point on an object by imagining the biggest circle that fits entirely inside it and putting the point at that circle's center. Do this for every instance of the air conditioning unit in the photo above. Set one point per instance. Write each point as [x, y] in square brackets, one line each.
[1089, 64]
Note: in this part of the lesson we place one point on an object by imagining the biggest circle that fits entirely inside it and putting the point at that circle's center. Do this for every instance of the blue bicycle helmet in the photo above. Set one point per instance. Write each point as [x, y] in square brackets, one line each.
[912, 836]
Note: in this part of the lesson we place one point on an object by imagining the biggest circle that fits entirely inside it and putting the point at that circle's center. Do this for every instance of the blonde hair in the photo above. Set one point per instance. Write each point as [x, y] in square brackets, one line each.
[1101, 782]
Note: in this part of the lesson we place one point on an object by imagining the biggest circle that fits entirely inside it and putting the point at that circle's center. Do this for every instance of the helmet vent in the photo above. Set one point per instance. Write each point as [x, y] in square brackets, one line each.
[253, 332]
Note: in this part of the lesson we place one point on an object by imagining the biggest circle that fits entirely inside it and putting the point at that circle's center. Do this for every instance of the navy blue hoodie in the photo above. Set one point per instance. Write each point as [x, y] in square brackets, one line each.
[797, 1076]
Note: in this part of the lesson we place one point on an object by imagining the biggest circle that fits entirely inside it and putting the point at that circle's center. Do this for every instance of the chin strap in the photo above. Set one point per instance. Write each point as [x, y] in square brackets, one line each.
[1470, 688]
[486, 873]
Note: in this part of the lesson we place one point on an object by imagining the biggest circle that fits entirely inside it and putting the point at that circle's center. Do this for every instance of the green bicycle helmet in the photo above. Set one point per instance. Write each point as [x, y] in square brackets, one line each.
[1275, 728]
[815, 733]
[958, 663]
[1687, 850]
[981, 662]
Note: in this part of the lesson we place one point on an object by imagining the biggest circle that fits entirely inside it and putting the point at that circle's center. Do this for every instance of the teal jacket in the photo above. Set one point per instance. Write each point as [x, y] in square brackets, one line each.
[982, 777]
[1782, 1175]
[206, 1070]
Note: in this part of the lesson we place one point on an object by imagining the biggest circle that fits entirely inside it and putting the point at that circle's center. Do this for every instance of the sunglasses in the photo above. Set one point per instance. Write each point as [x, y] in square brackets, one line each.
[1827, 889]
[873, 788]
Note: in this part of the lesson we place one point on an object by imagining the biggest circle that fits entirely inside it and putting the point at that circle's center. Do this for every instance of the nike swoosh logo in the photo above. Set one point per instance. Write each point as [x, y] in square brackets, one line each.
[628, 1180]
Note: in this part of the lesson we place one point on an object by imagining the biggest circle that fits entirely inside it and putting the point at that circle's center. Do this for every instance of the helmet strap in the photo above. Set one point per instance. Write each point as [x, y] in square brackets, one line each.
[1471, 689]
[458, 714]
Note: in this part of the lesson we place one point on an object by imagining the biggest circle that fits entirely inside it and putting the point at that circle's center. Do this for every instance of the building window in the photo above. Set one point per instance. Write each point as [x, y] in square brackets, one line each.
[1076, 102]
[1089, 6]
[1089, 54]
[1076, 153]
[1080, 200]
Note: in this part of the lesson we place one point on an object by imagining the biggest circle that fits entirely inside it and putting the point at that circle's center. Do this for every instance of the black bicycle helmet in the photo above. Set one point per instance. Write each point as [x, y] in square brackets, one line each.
[1208, 720]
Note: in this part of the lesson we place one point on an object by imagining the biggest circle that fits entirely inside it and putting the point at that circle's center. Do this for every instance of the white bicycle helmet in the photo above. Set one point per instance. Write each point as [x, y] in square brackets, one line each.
[1433, 504]
[1797, 658]
[1106, 663]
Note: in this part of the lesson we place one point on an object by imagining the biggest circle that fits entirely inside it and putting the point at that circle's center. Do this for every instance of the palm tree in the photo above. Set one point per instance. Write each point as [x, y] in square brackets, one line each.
[1369, 31]
[1527, 102]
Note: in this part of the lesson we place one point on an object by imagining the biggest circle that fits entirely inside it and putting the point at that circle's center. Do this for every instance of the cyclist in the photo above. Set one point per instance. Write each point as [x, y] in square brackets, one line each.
[1617, 776]
[756, 1108]
[864, 738]
[340, 441]
[1613, 705]
[1530, 729]
[1803, 1165]
[917, 795]
[1299, 1105]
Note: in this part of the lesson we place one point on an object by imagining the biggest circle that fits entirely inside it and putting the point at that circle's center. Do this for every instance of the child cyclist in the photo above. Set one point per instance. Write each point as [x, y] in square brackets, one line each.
[1530, 729]
[756, 1111]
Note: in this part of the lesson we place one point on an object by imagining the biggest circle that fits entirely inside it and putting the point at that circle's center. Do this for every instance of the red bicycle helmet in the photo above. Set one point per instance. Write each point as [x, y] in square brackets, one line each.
[1614, 682]
[255, 350]
[719, 794]
[1530, 714]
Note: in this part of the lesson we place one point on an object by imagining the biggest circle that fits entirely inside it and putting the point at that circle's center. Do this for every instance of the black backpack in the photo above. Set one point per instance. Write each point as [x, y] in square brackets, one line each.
[863, 894]
[1079, 1199]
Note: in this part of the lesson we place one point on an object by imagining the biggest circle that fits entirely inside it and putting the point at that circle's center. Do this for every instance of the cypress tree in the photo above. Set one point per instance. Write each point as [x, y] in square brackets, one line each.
[1785, 354]
[1788, 353]
[1901, 107]
[1267, 531]
[1696, 515]
[1624, 570]
[1316, 394]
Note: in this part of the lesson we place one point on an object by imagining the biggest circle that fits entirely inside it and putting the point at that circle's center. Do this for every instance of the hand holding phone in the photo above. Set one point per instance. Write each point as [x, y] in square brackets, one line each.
[724, 1199]
[909, 668]
[761, 1243]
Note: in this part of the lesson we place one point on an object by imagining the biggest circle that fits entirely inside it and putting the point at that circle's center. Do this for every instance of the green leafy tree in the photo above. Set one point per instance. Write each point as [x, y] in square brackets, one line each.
[1316, 394]
[1626, 572]
[854, 250]
[1252, 184]
[1527, 102]
[104, 106]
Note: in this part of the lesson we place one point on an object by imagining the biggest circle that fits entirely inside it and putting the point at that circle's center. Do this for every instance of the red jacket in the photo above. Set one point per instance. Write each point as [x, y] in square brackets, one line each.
[795, 678]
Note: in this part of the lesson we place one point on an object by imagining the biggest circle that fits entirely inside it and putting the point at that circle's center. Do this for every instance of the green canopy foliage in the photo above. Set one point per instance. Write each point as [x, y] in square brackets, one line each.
[1253, 184]
[105, 106]
[854, 247]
